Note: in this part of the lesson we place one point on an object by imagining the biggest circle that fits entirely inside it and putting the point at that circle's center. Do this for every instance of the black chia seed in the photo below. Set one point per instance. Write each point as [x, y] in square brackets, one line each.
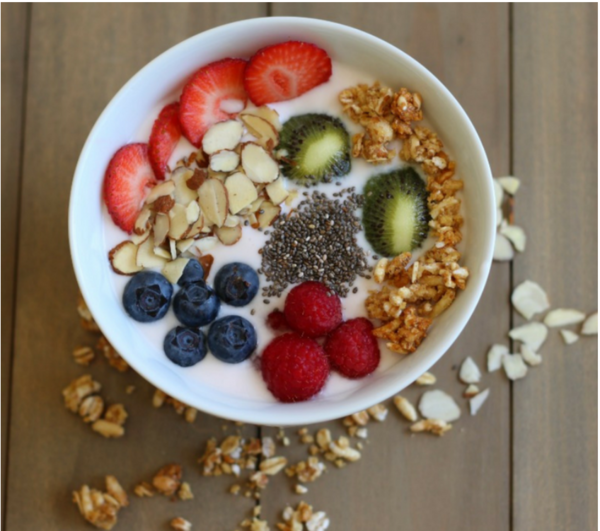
[317, 241]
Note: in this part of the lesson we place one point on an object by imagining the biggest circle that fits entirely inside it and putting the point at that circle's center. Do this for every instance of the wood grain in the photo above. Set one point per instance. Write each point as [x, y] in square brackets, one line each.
[555, 153]
[421, 482]
[80, 55]
[14, 34]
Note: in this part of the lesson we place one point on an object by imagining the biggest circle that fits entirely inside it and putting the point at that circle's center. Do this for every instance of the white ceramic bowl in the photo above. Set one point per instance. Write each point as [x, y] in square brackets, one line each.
[130, 108]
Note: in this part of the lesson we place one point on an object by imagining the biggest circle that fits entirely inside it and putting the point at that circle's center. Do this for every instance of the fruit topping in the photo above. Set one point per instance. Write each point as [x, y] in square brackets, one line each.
[395, 214]
[123, 258]
[236, 284]
[285, 71]
[276, 321]
[313, 309]
[126, 180]
[164, 137]
[196, 304]
[185, 346]
[147, 296]
[232, 339]
[294, 367]
[352, 349]
[315, 148]
[223, 135]
[258, 165]
[193, 272]
[207, 98]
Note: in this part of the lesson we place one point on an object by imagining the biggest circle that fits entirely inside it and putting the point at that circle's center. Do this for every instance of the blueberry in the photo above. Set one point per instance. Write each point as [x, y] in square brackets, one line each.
[232, 339]
[236, 284]
[185, 346]
[195, 304]
[192, 272]
[147, 296]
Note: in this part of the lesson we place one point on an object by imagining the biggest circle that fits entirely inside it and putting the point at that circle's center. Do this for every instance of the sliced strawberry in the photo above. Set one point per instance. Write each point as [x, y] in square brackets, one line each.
[285, 71]
[206, 97]
[164, 137]
[128, 175]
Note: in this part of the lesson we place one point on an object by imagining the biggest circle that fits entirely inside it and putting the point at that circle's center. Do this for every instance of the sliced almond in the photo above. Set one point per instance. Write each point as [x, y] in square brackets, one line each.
[183, 194]
[267, 214]
[142, 222]
[531, 358]
[529, 298]
[563, 317]
[509, 184]
[160, 190]
[140, 238]
[590, 325]
[206, 262]
[514, 366]
[197, 227]
[268, 114]
[232, 221]
[229, 235]
[212, 197]
[162, 224]
[253, 220]
[258, 165]
[471, 391]
[224, 135]
[469, 372]
[265, 133]
[173, 249]
[277, 191]
[174, 269]
[503, 250]
[192, 212]
[498, 193]
[162, 253]
[146, 257]
[184, 245]
[206, 244]
[516, 235]
[178, 224]
[477, 401]
[494, 357]
[436, 404]
[123, 258]
[569, 337]
[224, 161]
[240, 191]
[532, 334]
[255, 206]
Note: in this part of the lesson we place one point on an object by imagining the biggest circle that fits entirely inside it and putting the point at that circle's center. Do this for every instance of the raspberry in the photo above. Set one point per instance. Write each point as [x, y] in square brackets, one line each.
[276, 320]
[352, 349]
[294, 367]
[313, 309]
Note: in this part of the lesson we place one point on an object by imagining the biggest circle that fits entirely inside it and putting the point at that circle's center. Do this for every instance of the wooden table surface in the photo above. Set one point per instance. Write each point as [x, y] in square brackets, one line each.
[527, 77]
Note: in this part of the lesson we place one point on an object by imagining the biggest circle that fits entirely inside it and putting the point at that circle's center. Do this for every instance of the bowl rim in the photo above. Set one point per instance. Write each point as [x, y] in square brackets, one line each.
[350, 404]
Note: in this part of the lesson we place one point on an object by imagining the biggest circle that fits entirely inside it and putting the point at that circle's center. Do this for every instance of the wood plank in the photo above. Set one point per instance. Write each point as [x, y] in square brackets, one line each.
[461, 481]
[555, 153]
[81, 54]
[14, 34]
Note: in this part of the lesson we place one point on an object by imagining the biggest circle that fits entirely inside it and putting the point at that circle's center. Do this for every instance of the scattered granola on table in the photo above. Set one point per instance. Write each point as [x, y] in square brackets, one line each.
[100, 508]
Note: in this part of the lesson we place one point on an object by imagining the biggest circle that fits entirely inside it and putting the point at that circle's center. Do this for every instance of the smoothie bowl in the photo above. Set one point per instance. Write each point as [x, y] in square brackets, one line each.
[282, 221]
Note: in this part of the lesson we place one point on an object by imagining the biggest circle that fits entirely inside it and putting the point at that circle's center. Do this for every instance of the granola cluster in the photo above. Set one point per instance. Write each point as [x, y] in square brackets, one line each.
[384, 115]
[159, 398]
[100, 508]
[411, 297]
[303, 517]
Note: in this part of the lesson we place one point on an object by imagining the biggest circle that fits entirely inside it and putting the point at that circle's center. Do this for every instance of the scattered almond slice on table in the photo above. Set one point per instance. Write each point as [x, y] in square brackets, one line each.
[590, 325]
[514, 366]
[531, 357]
[509, 184]
[569, 337]
[563, 317]
[532, 334]
[529, 298]
[469, 372]
[494, 357]
[477, 401]
[516, 236]
[471, 391]
[503, 249]
[437, 404]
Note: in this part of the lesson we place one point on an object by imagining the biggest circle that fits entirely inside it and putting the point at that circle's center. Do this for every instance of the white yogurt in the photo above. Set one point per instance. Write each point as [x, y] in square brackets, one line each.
[244, 380]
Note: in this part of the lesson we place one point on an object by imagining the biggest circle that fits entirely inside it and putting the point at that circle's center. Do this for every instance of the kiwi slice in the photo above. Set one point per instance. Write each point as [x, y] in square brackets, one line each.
[395, 214]
[316, 147]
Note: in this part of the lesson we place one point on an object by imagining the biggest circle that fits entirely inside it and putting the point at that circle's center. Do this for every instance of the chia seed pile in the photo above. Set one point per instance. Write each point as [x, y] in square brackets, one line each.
[317, 241]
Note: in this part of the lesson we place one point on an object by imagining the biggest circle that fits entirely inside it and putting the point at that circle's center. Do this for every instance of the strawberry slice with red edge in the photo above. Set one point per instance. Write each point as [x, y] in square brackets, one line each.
[285, 71]
[164, 137]
[202, 100]
[126, 180]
